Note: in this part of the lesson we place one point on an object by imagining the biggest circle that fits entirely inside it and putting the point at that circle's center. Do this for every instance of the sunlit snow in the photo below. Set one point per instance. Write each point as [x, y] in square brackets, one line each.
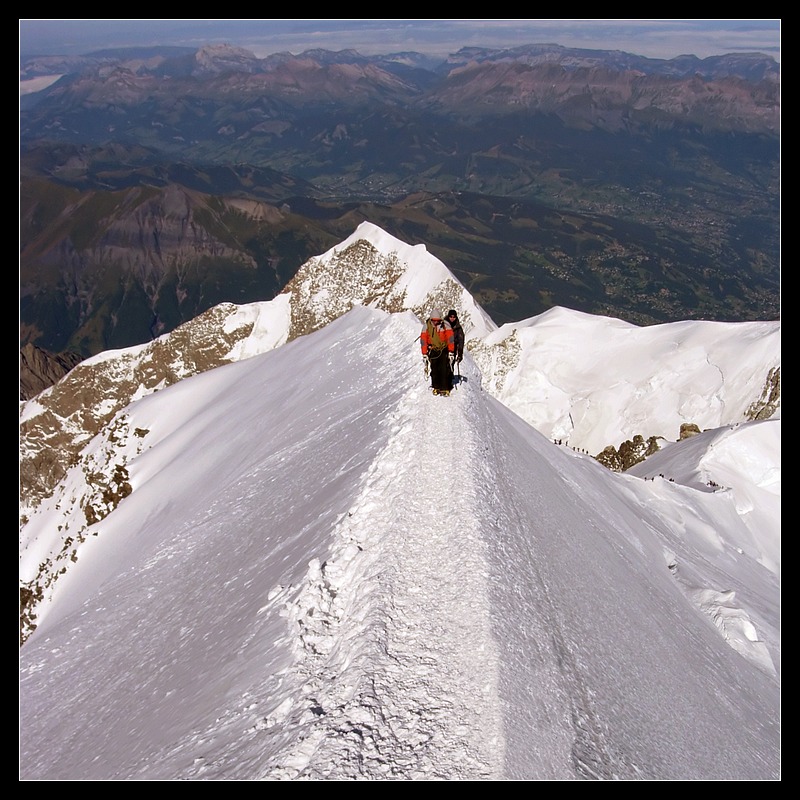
[324, 572]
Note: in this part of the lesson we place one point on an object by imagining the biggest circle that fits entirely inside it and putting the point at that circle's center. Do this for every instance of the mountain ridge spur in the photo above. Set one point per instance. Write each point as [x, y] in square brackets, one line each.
[281, 597]
[522, 365]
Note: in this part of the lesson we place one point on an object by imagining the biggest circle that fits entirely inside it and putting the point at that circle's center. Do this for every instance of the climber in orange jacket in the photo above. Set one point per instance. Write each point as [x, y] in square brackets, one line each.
[436, 341]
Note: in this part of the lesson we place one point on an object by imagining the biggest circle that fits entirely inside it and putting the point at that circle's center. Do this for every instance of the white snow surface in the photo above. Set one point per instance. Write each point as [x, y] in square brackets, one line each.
[324, 572]
[596, 381]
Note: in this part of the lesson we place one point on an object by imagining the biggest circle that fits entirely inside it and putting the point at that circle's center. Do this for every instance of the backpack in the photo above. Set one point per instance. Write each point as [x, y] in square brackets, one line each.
[436, 340]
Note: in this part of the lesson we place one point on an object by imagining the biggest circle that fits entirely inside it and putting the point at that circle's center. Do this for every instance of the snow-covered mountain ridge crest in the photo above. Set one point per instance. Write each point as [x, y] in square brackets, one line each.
[312, 568]
[544, 369]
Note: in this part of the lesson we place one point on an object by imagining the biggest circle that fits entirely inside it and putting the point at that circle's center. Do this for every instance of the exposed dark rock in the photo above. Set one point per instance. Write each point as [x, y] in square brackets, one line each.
[39, 369]
[688, 429]
[770, 400]
[630, 452]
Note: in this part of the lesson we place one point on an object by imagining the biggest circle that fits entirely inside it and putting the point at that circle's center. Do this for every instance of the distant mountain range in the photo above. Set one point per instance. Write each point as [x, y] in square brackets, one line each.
[158, 183]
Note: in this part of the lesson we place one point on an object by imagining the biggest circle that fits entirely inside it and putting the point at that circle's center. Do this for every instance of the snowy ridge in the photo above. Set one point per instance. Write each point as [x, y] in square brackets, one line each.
[324, 572]
[740, 465]
[370, 269]
[423, 713]
[375, 269]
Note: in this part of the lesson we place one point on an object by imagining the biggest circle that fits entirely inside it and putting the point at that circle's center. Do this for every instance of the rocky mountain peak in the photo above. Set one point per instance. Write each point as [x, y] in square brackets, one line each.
[219, 58]
[370, 268]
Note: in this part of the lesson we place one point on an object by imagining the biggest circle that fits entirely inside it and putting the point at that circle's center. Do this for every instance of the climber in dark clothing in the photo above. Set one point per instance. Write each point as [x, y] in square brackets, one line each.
[458, 336]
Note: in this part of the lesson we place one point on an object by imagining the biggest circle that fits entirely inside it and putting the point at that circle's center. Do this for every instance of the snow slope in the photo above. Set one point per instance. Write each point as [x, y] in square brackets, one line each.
[595, 381]
[324, 572]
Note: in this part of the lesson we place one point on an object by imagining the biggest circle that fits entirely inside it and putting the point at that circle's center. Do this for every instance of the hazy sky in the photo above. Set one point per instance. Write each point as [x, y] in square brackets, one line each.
[652, 38]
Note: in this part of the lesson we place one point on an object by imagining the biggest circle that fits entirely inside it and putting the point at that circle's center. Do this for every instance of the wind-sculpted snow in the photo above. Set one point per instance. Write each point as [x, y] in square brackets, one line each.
[324, 572]
[75, 439]
[407, 589]
[645, 381]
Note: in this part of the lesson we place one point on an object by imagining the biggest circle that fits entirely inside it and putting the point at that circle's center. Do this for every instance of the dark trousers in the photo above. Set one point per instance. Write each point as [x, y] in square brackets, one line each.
[441, 372]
